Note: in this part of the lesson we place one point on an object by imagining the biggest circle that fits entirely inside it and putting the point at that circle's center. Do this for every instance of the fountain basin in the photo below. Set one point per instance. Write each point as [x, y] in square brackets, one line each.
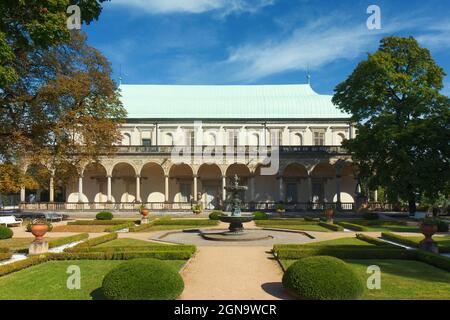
[236, 222]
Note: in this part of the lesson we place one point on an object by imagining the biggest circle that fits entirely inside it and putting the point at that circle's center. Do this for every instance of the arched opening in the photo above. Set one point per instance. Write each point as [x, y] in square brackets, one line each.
[297, 139]
[152, 183]
[209, 184]
[95, 184]
[123, 186]
[211, 139]
[347, 183]
[168, 139]
[295, 183]
[243, 172]
[323, 183]
[66, 183]
[180, 183]
[340, 138]
[266, 187]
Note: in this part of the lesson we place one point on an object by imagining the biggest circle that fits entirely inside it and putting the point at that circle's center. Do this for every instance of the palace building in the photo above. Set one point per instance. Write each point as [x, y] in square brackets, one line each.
[222, 131]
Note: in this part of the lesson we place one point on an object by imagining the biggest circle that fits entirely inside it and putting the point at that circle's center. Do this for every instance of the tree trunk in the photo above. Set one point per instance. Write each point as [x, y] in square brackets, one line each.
[412, 205]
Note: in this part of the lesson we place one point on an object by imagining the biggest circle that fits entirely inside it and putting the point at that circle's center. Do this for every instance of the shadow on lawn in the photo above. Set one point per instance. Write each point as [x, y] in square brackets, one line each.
[97, 294]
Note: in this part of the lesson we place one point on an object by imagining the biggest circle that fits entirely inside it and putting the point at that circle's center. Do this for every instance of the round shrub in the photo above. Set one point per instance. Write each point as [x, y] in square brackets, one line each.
[442, 226]
[105, 215]
[323, 278]
[143, 279]
[259, 215]
[370, 215]
[5, 233]
[215, 215]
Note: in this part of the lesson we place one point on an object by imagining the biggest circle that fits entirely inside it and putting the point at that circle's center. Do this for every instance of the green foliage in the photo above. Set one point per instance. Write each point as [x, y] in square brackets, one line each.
[104, 215]
[123, 255]
[5, 233]
[259, 215]
[150, 247]
[92, 242]
[5, 255]
[373, 240]
[118, 227]
[442, 226]
[215, 215]
[347, 252]
[402, 120]
[49, 224]
[143, 279]
[352, 226]
[184, 222]
[399, 239]
[66, 240]
[323, 278]
[100, 222]
[434, 259]
[371, 215]
[22, 264]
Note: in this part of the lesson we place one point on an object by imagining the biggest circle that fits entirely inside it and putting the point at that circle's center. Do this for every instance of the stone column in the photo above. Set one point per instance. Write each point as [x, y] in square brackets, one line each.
[108, 192]
[252, 188]
[195, 187]
[138, 189]
[280, 188]
[52, 189]
[375, 196]
[166, 188]
[338, 192]
[224, 192]
[80, 188]
[22, 194]
[310, 193]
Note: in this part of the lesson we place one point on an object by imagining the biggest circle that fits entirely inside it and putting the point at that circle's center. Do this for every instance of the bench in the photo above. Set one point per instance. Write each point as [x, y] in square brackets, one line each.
[50, 216]
[10, 220]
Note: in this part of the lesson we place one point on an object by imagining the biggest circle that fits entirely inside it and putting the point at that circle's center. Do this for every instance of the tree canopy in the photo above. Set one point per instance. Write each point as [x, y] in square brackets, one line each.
[402, 120]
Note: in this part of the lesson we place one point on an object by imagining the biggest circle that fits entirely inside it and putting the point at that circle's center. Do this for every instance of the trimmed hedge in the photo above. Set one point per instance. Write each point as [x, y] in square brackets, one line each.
[104, 215]
[4, 250]
[374, 241]
[259, 215]
[285, 222]
[434, 259]
[5, 255]
[22, 264]
[352, 226]
[185, 222]
[100, 222]
[333, 227]
[215, 215]
[371, 215]
[399, 239]
[66, 240]
[442, 226]
[141, 227]
[120, 227]
[311, 219]
[5, 233]
[162, 255]
[143, 279]
[92, 242]
[323, 278]
[347, 253]
[188, 248]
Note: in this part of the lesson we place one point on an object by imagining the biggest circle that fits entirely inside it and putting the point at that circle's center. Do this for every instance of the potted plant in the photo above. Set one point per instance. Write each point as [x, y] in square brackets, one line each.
[329, 214]
[281, 208]
[197, 208]
[143, 210]
[39, 228]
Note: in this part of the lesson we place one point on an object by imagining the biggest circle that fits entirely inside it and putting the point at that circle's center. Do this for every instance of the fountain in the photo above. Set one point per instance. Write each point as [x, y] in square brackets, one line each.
[236, 231]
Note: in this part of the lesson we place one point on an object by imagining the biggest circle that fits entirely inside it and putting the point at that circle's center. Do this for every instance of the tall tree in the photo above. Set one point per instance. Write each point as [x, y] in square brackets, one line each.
[29, 24]
[63, 109]
[403, 128]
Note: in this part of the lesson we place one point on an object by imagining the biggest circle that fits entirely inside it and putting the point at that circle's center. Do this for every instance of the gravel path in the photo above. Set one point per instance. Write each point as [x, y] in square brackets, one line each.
[233, 273]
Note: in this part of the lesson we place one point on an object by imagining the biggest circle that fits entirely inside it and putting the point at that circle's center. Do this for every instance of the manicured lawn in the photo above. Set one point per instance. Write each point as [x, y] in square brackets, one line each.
[81, 228]
[441, 240]
[47, 281]
[402, 280]
[16, 244]
[172, 227]
[303, 227]
[352, 241]
[385, 226]
[128, 242]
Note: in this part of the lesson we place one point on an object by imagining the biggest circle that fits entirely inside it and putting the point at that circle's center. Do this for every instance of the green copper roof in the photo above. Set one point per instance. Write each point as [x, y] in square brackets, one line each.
[227, 102]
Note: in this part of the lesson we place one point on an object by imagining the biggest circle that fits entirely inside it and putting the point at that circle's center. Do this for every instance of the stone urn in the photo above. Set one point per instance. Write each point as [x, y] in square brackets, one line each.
[144, 212]
[329, 214]
[39, 229]
[428, 230]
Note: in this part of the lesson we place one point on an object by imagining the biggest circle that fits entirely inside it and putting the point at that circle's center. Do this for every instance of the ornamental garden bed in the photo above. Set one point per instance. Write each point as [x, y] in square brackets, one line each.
[378, 225]
[22, 285]
[174, 224]
[298, 224]
[405, 274]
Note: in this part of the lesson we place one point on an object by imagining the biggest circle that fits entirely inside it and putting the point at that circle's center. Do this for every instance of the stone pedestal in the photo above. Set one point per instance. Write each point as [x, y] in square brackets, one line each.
[429, 245]
[144, 220]
[38, 247]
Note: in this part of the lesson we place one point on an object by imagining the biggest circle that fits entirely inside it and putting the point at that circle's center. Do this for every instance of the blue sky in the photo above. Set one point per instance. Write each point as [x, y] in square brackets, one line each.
[258, 41]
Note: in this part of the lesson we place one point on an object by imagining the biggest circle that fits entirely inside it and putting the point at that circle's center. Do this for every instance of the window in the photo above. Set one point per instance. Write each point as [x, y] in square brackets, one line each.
[146, 142]
[297, 139]
[291, 194]
[319, 138]
[233, 137]
[317, 192]
[276, 137]
[126, 139]
[168, 139]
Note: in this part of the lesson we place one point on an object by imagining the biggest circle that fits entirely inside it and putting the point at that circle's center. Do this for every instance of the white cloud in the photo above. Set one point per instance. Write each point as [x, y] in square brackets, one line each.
[194, 6]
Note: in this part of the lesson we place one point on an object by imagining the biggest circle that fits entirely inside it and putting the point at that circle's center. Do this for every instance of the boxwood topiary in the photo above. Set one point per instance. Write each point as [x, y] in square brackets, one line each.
[259, 215]
[215, 215]
[5, 233]
[323, 278]
[104, 215]
[143, 279]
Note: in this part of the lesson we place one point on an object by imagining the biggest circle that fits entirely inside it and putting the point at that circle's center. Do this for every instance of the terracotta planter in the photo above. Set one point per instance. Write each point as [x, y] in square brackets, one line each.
[144, 212]
[329, 213]
[428, 231]
[39, 230]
